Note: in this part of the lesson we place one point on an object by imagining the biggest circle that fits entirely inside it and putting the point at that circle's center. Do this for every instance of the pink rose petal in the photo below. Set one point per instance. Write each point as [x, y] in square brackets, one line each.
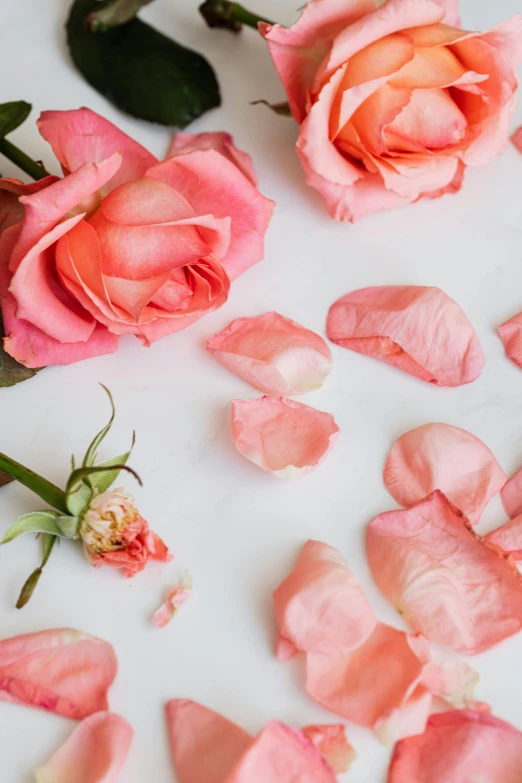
[320, 607]
[273, 353]
[330, 740]
[516, 138]
[62, 671]
[176, 597]
[94, 753]
[511, 335]
[511, 494]
[508, 537]
[221, 142]
[418, 329]
[440, 456]
[459, 747]
[447, 582]
[283, 437]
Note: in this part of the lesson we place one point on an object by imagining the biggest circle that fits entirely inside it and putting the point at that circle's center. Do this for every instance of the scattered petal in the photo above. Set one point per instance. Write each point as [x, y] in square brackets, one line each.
[516, 138]
[418, 329]
[94, 753]
[283, 437]
[175, 598]
[459, 746]
[511, 335]
[439, 456]
[62, 671]
[508, 537]
[273, 353]
[221, 142]
[320, 607]
[511, 494]
[447, 582]
[331, 741]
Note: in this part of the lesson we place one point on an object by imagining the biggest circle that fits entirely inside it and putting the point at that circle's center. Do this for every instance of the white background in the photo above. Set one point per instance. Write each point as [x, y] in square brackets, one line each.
[237, 529]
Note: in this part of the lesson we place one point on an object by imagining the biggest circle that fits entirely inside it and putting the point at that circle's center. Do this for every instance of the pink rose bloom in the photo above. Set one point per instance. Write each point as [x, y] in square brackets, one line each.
[123, 244]
[114, 534]
[394, 101]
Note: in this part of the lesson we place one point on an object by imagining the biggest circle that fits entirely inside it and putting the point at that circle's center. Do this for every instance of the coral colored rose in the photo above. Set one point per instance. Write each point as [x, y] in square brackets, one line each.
[394, 102]
[114, 533]
[123, 244]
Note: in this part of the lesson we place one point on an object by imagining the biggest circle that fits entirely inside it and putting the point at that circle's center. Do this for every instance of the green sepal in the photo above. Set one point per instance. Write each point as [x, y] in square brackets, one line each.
[39, 485]
[12, 115]
[90, 454]
[28, 588]
[79, 494]
[101, 482]
[42, 522]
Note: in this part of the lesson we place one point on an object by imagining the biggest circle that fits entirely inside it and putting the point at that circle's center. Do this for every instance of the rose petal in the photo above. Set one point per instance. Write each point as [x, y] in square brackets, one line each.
[11, 210]
[453, 681]
[320, 607]
[446, 581]
[511, 494]
[221, 142]
[94, 753]
[459, 746]
[440, 456]
[331, 741]
[511, 335]
[451, 7]
[508, 537]
[273, 354]
[418, 329]
[61, 671]
[283, 437]
[516, 138]
[175, 598]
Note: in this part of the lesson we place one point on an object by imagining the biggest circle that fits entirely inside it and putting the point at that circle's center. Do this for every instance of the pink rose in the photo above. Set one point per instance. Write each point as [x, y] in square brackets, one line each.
[122, 244]
[393, 102]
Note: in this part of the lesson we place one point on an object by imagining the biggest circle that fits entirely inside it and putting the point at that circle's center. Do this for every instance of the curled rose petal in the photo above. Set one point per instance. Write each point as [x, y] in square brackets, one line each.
[62, 671]
[511, 335]
[221, 142]
[459, 746]
[511, 494]
[448, 583]
[508, 537]
[418, 329]
[283, 437]
[516, 138]
[320, 607]
[273, 353]
[440, 456]
[94, 753]
[331, 741]
[175, 598]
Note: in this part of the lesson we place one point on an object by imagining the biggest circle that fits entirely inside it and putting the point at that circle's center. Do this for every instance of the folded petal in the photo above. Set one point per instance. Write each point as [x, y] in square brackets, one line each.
[94, 753]
[273, 353]
[11, 210]
[511, 335]
[418, 329]
[176, 597]
[331, 741]
[61, 671]
[440, 456]
[511, 494]
[459, 746]
[320, 607]
[221, 142]
[508, 537]
[283, 437]
[82, 136]
[448, 583]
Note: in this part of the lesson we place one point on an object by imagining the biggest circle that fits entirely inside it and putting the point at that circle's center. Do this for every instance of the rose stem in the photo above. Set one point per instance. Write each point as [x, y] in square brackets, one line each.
[223, 13]
[23, 161]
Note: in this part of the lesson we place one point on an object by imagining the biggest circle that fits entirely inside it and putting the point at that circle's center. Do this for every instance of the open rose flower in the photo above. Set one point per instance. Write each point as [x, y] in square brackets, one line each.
[123, 244]
[394, 101]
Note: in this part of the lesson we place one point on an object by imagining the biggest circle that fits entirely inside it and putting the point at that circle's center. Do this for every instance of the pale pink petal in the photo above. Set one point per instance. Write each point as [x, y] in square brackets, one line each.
[440, 456]
[451, 8]
[82, 136]
[221, 142]
[176, 597]
[511, 335]
[273, 354]
[205, 746]
[283, 437]
[452, 681]
[516, 138]
[195, 176]
[94, 753]
[320, 607]
[418, 329]
[511, 494]
[11, 210]
[508, 537]
[331, 741]
[62, 671]
[461, 747]
[447, 582]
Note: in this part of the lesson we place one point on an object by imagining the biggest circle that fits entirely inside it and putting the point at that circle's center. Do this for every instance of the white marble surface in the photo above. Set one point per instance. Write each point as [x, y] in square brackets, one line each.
[237, 529]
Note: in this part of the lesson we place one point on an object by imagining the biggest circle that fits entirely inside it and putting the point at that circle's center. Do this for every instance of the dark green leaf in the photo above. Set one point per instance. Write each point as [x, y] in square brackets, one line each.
[11, 371]
[90, 455]
[29, 586]
[12, 115]
[141, 71]
[43, 488]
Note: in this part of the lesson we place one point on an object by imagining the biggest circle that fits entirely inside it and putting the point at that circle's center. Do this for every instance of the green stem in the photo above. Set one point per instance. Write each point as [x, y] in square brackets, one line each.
[23, 161]
[117, 13]
[223, 13]
[52, 495]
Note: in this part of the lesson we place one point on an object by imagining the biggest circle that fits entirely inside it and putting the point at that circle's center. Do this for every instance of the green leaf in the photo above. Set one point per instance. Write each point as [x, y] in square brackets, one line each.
[12, 115]
[141, 71]
[43, 488]
[11, 371]
[35, 522]
[90, 454]
[101, 481]
[28, 588]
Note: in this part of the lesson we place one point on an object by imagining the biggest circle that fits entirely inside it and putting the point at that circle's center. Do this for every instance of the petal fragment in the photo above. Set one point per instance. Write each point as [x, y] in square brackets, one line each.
[440, 456]
[516, 138]
[511, 494]
[176, 597]
[418, 329]
[508, 537]
[273, 353]
[331, 741]
[459, 746]
[511, 335]
[62, 671]
[94, 753]
[448, 583]
[283, 437]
